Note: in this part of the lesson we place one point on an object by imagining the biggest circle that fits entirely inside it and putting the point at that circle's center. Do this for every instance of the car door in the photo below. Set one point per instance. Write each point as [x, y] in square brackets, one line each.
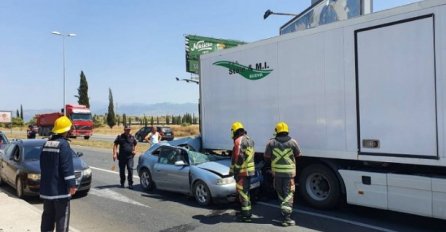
[10, 164]
[170, 176]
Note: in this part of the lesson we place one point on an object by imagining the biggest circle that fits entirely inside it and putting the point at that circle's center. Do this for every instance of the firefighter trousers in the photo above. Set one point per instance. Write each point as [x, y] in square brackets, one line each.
[56, 213]
[243, 185]
[285, 191]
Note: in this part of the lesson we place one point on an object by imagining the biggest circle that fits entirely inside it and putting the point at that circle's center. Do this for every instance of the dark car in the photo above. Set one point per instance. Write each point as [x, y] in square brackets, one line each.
[165, 131]
[20, 168]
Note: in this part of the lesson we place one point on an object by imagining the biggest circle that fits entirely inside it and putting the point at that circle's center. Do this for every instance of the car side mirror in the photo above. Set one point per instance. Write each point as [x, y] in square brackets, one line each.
[79, 154]
[180, 163]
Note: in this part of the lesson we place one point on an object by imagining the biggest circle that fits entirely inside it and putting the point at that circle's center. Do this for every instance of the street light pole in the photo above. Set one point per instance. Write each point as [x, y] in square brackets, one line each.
[63, 63]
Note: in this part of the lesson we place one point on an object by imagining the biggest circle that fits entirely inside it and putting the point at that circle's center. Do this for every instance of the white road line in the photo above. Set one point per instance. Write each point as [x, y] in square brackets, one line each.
[107, 193]
[332, 218]
[297, 211]
[109, 171]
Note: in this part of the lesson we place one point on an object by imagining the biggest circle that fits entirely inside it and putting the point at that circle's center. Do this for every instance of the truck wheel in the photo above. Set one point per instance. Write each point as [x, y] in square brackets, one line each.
[319, 186]
[86, 137]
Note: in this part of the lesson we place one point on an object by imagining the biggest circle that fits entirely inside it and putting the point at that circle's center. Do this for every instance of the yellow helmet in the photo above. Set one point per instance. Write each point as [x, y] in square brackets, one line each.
[235, 126]
[281, 127]
[62, 125]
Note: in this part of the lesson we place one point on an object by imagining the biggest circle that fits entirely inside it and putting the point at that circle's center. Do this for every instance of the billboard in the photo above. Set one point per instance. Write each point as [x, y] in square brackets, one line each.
[5, 116]
[197, 45]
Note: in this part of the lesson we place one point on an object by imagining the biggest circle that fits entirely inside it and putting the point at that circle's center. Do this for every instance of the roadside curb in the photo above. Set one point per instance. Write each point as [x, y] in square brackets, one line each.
[19, 215]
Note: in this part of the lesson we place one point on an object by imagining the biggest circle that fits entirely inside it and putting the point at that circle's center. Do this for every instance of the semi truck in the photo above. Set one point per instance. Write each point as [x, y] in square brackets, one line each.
[80, 115]
[365, 98]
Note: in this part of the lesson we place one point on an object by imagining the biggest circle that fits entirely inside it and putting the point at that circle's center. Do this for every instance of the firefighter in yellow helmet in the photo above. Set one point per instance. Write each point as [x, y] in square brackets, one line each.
[57, 180]
[242, 166]
[282, 151]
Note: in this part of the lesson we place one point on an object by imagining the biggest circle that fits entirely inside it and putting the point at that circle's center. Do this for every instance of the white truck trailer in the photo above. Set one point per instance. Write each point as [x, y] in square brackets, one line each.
[365, 98]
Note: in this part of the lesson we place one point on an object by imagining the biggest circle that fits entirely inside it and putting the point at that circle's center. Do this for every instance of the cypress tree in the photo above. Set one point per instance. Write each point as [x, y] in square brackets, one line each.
[111, 117]
[21, 111]
[82, 91]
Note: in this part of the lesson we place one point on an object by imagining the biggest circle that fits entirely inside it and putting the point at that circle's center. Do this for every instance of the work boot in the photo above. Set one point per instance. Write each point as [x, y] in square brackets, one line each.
[122, 185]
[245, 219]
[130, 186]
[287, 221]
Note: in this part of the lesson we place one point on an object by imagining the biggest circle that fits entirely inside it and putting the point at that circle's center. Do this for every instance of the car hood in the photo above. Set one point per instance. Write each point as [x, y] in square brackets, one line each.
[34, 165]
[220, 167]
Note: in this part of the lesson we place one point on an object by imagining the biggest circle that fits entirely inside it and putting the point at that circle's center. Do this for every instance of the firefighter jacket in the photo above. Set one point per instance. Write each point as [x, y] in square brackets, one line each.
[57, 172]
[242, 160]
[282, 151]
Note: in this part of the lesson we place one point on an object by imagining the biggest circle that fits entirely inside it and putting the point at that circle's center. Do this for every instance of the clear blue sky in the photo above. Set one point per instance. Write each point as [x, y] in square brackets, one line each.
[134, 47]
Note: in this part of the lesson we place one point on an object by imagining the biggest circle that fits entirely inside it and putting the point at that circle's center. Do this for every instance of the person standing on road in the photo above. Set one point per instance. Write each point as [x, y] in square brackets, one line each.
[30, 133]
[127, 144]
[242, 167]
[282, 151]
[153, 137]
[57, 181]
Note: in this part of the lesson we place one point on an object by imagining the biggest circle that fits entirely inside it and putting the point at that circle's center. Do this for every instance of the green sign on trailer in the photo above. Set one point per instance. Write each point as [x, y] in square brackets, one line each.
[198, 45]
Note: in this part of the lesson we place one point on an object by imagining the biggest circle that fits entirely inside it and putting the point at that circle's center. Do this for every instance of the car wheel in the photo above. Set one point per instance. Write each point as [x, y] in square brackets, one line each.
[19, 188]
[202, 193]
[145, 178]
[319, 186]
[82, 193]
[86, 137]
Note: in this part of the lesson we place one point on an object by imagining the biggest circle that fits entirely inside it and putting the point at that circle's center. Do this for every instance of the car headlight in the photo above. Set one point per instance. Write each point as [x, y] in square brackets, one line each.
[33, 176]
[86, 172]
[227, 180]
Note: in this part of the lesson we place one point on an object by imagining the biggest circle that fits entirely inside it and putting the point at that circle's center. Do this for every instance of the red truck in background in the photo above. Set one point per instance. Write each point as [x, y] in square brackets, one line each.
[80, 115]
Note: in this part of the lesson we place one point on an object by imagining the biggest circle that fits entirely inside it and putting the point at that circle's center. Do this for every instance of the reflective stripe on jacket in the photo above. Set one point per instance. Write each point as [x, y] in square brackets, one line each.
[57, 172]
[283, 152]
[242, 162]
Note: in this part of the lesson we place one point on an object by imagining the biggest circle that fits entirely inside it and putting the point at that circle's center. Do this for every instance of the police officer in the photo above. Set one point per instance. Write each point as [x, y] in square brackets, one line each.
[127, 144]
[30, 133]
[282, 151]
[242, 166]
[57, 183]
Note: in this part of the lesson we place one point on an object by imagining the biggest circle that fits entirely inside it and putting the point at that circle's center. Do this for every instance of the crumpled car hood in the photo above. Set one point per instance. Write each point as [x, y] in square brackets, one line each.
[220, 167]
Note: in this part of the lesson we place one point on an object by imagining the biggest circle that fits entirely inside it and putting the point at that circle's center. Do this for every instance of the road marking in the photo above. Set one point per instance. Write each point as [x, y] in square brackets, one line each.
[114, 172]
[332, 218]
[107, 193]
[297, 211]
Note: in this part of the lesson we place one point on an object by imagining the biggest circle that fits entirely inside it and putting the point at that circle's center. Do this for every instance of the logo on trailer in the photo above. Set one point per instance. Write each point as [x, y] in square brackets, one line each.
[260, 71]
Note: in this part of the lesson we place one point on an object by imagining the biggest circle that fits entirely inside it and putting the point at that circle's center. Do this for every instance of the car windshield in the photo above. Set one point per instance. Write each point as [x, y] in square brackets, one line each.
[166, 130]
[81, 116]
[32, 152]
[199, 158]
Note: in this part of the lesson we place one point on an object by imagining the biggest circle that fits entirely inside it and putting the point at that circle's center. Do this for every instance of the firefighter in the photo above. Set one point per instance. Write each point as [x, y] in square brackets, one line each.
[57, 183]
[282, 151]
[242, 167]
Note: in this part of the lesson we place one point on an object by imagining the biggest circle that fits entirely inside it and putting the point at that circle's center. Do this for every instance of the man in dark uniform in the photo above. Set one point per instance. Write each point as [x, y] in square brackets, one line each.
[57, 183]
[30, 133]
[127, 144]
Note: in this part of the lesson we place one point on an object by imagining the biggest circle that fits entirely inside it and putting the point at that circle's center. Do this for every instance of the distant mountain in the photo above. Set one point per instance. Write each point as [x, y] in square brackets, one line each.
[157, 109]
[136, 109]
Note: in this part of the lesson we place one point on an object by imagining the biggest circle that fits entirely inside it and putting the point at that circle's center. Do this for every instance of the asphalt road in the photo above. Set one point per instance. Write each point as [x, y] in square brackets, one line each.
[110, 208]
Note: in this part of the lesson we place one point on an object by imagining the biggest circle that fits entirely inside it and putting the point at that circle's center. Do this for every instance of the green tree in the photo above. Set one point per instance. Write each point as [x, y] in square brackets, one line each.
[124, 119]
[145, 120]
[151, 121]
[130, 121]
[17, 114]
[82, 97]
[167, 120]
[111, 118]
[157, 120]
[21, 112]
